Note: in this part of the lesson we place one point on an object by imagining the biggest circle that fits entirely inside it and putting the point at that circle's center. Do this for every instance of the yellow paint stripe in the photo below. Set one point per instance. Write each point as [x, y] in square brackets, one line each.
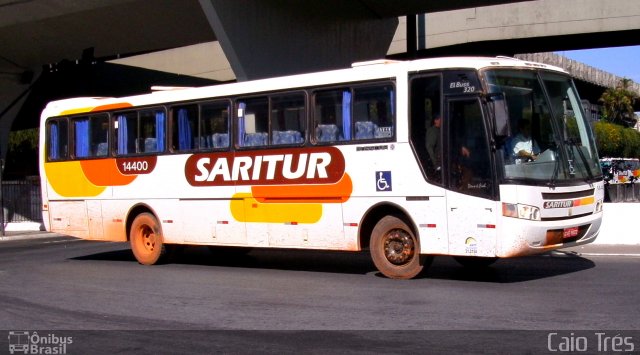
[73, 111]
[67, 179]
[585, 201]
[245, 208]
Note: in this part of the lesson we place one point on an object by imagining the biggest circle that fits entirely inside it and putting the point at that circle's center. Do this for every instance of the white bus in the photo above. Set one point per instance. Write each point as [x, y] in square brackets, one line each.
[406, 159]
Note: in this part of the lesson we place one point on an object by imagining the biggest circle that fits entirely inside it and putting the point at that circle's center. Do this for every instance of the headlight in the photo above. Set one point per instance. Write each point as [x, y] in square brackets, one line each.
[520, 211]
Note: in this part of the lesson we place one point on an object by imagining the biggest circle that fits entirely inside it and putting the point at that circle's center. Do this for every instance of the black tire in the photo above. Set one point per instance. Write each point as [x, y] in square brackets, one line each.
[146, 239]
[394, 249]
[475, 262]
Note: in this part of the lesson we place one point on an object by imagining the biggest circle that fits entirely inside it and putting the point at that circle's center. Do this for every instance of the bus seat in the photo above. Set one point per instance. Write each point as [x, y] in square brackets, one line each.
[220, 140]
[150, 145]
[327, 133]
[365, 129]
[255, 139]
[286, 137]
[101, 149]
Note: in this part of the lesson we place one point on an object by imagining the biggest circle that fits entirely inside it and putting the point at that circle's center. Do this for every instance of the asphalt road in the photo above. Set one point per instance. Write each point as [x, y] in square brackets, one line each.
[286, 301]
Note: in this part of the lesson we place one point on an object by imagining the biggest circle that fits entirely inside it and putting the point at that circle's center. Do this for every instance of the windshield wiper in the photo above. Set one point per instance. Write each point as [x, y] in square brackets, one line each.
[571, 144]
[556, 167]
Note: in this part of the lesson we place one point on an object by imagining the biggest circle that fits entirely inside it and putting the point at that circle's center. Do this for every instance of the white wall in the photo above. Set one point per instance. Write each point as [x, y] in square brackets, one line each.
[620, 224]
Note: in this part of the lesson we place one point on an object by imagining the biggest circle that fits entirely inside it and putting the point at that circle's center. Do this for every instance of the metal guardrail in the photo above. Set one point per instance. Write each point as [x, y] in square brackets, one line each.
[21, 201]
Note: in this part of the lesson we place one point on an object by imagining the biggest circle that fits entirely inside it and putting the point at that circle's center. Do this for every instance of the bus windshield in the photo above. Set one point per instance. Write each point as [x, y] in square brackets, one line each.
[550, 138]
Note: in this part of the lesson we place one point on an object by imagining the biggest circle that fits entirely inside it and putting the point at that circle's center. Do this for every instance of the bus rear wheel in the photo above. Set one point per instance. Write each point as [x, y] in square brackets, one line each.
[146, 240]
[394, 249]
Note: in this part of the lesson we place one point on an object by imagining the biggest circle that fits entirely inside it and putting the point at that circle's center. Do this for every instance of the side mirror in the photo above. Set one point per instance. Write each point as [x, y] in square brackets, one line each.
[500, 112]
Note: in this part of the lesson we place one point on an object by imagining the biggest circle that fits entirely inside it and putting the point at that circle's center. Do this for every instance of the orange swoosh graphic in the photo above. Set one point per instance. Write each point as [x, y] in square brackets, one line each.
[104, 172]
[328, 193]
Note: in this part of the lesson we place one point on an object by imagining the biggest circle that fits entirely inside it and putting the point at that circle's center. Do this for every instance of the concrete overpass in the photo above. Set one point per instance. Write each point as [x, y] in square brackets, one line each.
[253, 39]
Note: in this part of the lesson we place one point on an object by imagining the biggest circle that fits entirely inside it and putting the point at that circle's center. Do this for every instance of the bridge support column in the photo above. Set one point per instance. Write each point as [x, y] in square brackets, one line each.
[278, 37]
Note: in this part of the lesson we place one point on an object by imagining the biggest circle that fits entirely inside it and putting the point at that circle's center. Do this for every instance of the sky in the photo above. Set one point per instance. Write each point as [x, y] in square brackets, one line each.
[621, 61]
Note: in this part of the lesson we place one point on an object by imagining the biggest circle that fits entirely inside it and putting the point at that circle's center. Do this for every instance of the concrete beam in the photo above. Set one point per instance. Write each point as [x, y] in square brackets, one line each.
[534, 19]
[269, 38]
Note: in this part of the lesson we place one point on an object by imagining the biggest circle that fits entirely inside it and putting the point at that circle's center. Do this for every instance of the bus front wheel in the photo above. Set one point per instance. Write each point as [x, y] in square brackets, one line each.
[146, 239]
[394, 249]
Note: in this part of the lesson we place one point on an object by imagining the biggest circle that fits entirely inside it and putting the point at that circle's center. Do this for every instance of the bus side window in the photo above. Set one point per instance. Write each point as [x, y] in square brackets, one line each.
[184, 128]
[214, 125]
[287, 119]
[332, 115]
[152, 131]
[373, 112]
[57, 140]
[90, 136]
[253, 122]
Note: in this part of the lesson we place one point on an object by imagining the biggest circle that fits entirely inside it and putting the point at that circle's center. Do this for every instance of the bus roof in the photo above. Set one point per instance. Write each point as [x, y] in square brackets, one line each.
[360, 71]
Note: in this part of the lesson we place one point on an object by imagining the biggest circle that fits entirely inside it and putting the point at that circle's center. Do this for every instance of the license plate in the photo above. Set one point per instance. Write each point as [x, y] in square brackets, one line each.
[570, 232]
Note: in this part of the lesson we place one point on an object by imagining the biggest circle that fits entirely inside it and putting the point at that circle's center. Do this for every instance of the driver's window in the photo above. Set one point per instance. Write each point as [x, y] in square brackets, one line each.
[469, 168]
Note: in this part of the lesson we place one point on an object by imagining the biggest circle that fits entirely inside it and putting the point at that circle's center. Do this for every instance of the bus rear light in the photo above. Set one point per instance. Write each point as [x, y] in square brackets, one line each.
[351, 224]
[520, 211]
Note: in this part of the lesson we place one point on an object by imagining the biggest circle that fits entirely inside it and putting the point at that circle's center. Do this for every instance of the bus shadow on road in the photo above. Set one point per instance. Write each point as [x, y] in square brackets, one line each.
[359, 263]
[511, 270]
[255, 258]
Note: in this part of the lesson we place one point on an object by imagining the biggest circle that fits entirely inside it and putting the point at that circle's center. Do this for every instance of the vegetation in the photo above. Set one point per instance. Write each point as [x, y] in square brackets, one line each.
[617, 104]
[614, 135]
[614, 140]
[22, 154]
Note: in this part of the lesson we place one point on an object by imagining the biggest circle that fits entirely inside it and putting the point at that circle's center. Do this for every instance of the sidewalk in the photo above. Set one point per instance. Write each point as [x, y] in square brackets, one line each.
[22, 235]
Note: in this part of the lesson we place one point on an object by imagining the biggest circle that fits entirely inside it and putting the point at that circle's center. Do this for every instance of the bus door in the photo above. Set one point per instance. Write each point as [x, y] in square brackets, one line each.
[471, 211]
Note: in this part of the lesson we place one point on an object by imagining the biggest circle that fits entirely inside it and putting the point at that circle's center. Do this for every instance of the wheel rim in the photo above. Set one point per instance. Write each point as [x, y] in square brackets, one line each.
[147, 239]
[398, 247]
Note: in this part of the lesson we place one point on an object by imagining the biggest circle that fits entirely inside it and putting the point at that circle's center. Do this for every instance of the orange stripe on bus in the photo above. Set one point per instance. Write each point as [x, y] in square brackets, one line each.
[321, 193]
[104, 172]
[112, 106]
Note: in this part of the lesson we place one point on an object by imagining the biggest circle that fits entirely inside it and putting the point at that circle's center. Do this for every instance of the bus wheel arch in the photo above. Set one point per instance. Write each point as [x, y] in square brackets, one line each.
[393, 242]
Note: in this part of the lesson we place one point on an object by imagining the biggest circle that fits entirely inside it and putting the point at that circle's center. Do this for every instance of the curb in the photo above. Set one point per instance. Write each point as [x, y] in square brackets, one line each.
[25, 235]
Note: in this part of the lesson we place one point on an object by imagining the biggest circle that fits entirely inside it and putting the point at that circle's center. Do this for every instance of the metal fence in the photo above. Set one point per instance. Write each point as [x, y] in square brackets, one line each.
[629, 192]
[21, 201]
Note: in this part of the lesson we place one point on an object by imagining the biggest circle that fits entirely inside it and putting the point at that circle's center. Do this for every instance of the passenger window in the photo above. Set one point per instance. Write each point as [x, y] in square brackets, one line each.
[253, 122]
[214, 125]
[140, 132]
[287, 119]
[184, 128]
[57, 139]
[332, 115]
[151, 131]
[373, 112]
[91, 136]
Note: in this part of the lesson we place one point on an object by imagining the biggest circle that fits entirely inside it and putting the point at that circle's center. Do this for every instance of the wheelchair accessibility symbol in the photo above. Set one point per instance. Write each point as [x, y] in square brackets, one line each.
[383, 181]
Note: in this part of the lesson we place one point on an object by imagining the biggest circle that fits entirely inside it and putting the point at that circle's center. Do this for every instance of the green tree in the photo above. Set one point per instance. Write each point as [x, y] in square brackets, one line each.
[618, 103]
[608, 139]
[616, 141]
